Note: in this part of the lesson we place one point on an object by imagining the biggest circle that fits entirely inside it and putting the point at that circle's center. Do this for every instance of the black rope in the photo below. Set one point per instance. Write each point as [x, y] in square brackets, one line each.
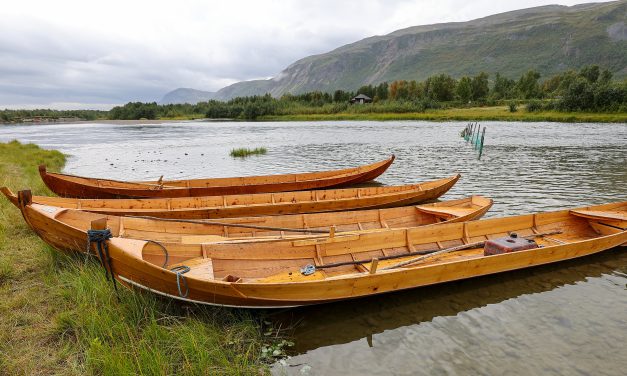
[165, 251]
[100, 237]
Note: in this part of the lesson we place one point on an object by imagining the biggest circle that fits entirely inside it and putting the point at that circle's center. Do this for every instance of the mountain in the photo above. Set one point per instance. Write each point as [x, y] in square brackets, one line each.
[549, 39]
[186, 95]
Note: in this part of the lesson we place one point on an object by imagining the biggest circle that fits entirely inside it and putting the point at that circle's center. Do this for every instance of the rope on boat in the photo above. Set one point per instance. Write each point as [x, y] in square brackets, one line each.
[100, 237]
[180, 270]
[217, 223]
[165, 251]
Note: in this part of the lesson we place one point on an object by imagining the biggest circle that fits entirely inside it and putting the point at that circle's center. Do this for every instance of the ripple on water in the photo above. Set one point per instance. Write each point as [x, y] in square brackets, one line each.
[567, 318]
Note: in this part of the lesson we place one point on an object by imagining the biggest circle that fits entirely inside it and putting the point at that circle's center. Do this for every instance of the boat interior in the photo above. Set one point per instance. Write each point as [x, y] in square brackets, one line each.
[281, 262]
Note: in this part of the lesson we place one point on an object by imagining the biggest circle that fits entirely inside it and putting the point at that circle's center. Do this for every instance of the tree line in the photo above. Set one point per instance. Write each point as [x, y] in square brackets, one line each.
[9, 116]
[588, 89]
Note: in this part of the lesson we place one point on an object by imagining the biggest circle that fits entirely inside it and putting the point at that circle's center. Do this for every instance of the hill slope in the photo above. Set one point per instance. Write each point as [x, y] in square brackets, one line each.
[549, 39]
[186, 95]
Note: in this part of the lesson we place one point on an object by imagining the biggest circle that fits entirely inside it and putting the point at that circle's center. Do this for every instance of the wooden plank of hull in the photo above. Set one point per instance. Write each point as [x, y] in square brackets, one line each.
[261, 204]
[66, 229]
[190, 233]
[82, 187]
[260, 265]
[253, 280]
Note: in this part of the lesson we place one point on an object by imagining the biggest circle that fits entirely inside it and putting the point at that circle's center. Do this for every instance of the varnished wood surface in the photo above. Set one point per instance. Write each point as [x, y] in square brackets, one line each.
[66, 229]
[259, 274]
[259, 204]
[84, 187]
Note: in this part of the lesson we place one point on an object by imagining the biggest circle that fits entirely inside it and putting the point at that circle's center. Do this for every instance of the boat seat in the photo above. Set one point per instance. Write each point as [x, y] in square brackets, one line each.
[199, 267]
[601, 214]
[446, 211]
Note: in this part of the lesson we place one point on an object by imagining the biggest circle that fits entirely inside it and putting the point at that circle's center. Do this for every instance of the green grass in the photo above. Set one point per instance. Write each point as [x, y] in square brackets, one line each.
[58, 314]
[463, 114]
[245, 152]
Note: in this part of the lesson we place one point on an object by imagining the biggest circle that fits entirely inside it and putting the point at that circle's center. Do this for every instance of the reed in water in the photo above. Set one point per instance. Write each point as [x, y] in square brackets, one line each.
[246, 152]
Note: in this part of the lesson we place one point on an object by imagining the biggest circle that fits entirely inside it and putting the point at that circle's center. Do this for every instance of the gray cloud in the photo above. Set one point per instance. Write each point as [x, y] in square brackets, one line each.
[79, 54]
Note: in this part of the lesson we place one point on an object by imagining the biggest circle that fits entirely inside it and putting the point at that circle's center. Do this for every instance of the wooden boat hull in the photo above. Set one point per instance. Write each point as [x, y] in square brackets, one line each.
[82, 187]
[261, 204]
[66, 229]
[264, 275]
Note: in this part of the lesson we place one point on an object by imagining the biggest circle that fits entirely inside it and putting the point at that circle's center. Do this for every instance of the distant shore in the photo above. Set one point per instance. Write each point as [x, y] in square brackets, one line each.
[498, 113]
[493, 113]
[120, 122]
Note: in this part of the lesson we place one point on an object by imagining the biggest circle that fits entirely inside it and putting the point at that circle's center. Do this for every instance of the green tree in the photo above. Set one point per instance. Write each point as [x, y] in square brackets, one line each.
[605, 78]
[402, 90]
[590, 73]
[578, 96]
[527, 86]
[441, 87]
[367, 90]
[480, 88]
[464, 89]
[340, 96]
[503, 87]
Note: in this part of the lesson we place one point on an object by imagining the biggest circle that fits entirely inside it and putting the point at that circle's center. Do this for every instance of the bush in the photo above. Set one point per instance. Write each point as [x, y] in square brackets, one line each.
[534, 106]
[513, 107]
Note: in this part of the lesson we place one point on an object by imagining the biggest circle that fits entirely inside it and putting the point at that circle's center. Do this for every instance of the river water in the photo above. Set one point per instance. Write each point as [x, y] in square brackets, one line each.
[568, 318]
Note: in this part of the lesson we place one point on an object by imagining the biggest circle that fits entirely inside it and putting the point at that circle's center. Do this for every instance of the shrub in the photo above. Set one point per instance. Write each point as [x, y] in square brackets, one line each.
[534, 106]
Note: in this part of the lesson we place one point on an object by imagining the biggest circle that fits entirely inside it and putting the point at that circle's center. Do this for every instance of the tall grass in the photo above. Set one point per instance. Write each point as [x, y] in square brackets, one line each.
[58, 314]
[460, 114]
[246, 152]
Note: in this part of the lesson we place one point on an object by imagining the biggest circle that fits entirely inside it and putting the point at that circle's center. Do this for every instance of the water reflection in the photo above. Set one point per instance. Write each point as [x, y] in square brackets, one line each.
[568, 318]
[344, 322]
[452, 328]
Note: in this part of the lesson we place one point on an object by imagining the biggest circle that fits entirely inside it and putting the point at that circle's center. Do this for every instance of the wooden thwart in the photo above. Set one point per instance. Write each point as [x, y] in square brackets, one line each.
[459, 248]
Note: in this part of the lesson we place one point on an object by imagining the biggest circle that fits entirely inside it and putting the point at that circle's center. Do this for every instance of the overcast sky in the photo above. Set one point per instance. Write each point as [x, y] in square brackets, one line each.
[88, 54]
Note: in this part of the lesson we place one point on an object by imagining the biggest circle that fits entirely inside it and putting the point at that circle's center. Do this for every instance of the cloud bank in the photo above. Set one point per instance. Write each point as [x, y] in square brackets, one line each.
[88, 54]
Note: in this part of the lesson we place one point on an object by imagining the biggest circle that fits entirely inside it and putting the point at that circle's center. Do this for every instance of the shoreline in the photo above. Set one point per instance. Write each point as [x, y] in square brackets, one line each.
[60, 311]
[495, 113]
[464, 114]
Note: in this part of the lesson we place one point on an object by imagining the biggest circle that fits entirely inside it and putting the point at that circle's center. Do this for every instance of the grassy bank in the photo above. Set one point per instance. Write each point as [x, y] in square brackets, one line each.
[465, 114]
[58, 314]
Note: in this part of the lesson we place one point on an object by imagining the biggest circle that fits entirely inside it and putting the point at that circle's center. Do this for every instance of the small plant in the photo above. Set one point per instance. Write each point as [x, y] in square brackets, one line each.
[513, 107]
[274, 346]
[534, 106]
[245, 152]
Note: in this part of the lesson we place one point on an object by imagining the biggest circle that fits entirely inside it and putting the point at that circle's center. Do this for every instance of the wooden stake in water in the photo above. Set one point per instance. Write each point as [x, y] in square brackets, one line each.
[481, 144]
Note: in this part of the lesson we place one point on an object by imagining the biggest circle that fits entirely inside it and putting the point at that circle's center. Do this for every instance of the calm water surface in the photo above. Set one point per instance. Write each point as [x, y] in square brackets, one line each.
[568, 318]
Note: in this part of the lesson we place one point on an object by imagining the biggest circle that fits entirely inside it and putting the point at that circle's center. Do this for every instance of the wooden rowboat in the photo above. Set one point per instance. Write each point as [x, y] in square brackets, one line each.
[66, 229]
[83, 187]
[259, 204]
[300, 272]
